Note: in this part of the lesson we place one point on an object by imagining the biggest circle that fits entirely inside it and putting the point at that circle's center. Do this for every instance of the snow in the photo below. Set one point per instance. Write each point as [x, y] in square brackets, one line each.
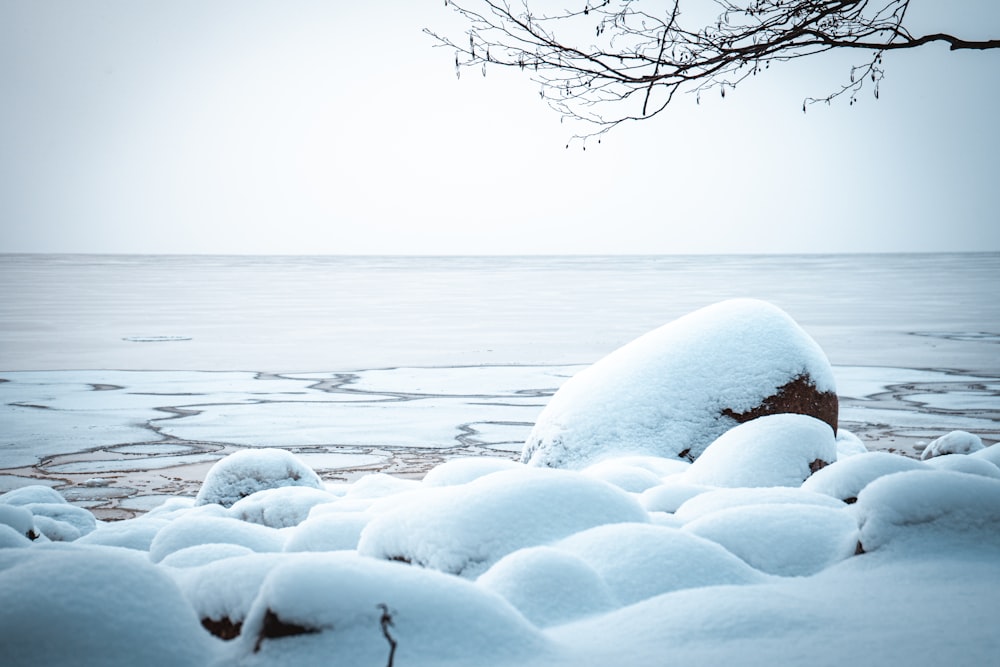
[775, 450]
[247, 471]
[95, 605]
[339, 601]
[664, 393]
[782, 539]
[928, 511]
[638, 561]
[192, 530]
[279, 507]
[549, 586]
[745, 556]
[845, 478]
[956, 442]
[465, 529]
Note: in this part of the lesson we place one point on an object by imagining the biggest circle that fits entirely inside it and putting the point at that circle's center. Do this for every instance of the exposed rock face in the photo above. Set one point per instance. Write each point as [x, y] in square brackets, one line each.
[676, 389]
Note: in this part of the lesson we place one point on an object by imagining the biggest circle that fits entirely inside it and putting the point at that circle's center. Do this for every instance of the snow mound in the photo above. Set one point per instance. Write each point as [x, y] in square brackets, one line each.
[991, 454]
[329, 531]
[845, 478]
[849, 444]
[248, 471]
[776, 450]
[203, 554]
[224, 589]
[548, 586]
[956, 442]
[966, 464]
[28, 495]
[96, 606]
[317, 609]
[929, 510]
[465, 529]
[11, 538]
[625, 476]
[62, 522]
[465, 469]
[280, 507]
[785, 540]
[20, 520]
[135, 533]
[722, 499]
[670, 495]
[193, 530]
[638, 561]
[676, 389]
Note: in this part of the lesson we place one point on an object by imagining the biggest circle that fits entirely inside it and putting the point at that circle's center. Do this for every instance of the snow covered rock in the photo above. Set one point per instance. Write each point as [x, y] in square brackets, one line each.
[223, 590]
[845, 478]
[929, 511]
[339, 608]
[95, 606]
[775, 450]
[193, 530]
[991, 454]
[786, 540]
[248, 471]
[465, 529]
[849, 444]
[20, 520]
[137, 533]
[639, 561]
[549, 586]
[328, 531]
[676, 389]
[281, 507]
[465, 469]
[956, 442]
[962, 463]
[723, 499]
[35, 493]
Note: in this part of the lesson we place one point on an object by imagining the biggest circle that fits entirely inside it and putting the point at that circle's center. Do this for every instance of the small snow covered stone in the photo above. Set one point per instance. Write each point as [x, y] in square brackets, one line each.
[849, 444]
[21, 520]
[639, 561]
[786, 540]
[776, 450]
[36, 493]
[135, 533]
[845, 478]
[676, 389]
[549, 586]
[328, 531]
[956, 442]
[248, 471]
[670, 495]
[192, 530]
[321, 609]
[203, 554]
[991, 454]
[966, 464]
[928, 511]
[465, 469]
[465, 529]
[96, 606]
[723, 499]
[627, 477]
[281, 507]
[65, 522]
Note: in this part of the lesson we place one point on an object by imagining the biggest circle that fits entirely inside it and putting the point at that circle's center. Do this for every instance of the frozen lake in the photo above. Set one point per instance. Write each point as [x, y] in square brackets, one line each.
[125, 378]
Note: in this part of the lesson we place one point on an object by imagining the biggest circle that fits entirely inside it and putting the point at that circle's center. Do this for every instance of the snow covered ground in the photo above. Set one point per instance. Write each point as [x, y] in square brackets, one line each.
[421, 541]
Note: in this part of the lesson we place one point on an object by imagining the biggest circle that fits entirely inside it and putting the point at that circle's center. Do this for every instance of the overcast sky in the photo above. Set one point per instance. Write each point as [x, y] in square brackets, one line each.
[318, 126]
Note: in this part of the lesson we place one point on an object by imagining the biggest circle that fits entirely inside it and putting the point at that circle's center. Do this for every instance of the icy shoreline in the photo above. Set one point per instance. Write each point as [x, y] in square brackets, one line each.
[120, 442]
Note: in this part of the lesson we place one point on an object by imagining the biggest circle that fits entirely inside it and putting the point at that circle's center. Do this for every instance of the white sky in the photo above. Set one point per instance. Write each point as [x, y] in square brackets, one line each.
[311, 126]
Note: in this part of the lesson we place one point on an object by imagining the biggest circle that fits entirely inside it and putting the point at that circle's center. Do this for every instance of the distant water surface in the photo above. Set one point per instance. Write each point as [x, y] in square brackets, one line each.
[287, 314]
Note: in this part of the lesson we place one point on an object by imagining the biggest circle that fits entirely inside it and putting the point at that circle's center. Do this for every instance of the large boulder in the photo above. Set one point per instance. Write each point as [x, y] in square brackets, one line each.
[676, 389]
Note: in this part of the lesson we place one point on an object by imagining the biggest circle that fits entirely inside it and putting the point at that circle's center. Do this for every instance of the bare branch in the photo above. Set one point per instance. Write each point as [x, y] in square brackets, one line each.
[591, 61]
